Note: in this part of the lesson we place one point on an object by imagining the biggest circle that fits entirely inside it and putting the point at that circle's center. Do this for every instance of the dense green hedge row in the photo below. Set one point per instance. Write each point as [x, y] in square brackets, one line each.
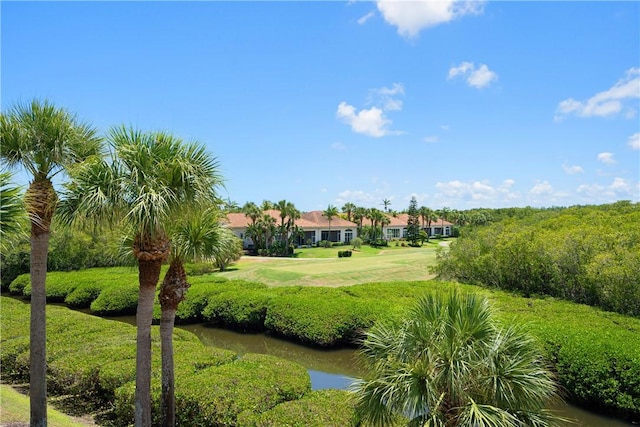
[93, 360]
[587, 254]
[594, 352]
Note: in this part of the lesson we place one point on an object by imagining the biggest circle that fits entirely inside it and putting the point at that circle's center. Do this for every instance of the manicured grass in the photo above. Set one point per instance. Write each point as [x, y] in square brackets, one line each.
[14, 408]
[322, 267]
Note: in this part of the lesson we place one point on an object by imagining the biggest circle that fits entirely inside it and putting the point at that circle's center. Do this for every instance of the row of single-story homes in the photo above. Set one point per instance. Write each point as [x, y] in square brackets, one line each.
[316, 227]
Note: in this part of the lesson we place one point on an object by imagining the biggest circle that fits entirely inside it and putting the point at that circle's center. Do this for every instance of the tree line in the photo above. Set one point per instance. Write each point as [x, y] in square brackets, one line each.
[586, 254]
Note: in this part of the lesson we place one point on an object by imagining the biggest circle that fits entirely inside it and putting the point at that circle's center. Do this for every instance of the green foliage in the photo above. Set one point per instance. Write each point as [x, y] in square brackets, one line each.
[446, 354]
[413, 222]
[319, 408]
[20, 283]
[344, 254]
[588, 254]
[117, 300]
[217, 395]
[212, 386]
[356, 243]
[319, 316]
[243, 310]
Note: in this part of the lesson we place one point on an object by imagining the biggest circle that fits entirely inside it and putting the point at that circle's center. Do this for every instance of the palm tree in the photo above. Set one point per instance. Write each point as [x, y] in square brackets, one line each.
[149, 177]
[384, 220]
[450, 364]
[329, 213]
[427, 216]
[386, 203]
[197, 235]
[44, 140]
[11, 211]
[348, 209]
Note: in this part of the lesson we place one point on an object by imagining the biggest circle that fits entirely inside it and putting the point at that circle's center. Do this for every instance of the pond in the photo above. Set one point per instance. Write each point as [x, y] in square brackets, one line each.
[333, 368]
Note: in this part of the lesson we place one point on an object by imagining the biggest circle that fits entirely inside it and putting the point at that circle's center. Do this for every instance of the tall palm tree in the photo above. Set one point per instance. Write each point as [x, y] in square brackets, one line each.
[451, 364]
[147, 179]
[197, 234]
[386, 203]
[44, 140]
[330, 213]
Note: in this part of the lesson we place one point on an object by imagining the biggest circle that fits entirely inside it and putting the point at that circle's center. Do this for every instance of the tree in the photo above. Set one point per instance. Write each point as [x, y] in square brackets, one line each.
[348, 209]
[196, 235]
[11, 211]
[413, 222]
[386, 203]
[329, 213]
[427, 216]
[359, 214]
[44, 140]
[449, 363]
[148, 178]
[288, 215]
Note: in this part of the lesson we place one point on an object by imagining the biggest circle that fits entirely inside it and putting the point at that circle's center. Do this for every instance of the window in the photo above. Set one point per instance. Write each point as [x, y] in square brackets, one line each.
[348, 235]
[393, 233]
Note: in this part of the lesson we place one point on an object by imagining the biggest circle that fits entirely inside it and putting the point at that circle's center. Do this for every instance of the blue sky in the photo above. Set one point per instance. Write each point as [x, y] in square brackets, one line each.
[460, 104]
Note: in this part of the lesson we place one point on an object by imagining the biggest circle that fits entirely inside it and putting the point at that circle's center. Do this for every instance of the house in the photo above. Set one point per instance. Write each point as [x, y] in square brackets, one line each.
[314, 225]
[341, 230]
[397, 227]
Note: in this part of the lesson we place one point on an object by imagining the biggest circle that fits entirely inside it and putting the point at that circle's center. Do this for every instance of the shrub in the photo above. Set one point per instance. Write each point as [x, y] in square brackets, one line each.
[117, 300]
[217, 395]
[316, 409]
[20, 283]
[244, 310]
[356, 243]
[319, 316]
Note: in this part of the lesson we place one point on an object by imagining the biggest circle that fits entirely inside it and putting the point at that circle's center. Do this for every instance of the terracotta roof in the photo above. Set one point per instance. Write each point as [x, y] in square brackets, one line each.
[240, 220]
[320, 220]
[403, 219]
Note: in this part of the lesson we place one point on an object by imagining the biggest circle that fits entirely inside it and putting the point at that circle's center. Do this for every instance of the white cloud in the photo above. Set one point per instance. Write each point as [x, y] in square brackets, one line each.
[386, 97]
[572, 170]
[372, 121]
[619, 189]
[606, 158]
[634, 141]
[461, 69]
[430, 139]
[411, 17]
[542, 188]
[338, 146]
[476, 191]
[607, 103]
[366, 17]
[479, 78]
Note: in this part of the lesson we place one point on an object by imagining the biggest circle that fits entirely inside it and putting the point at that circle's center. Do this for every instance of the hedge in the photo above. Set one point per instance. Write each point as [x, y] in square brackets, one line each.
[594, 352]
[319, 408]
[93, 360]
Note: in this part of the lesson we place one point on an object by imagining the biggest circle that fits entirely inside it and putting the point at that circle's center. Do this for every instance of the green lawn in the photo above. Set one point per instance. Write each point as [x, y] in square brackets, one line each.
[14, 408]
[322, 267]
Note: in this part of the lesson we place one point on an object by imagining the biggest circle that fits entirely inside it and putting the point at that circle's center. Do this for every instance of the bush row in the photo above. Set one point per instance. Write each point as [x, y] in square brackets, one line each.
[344, 254]
[93, 360]
[594, 352]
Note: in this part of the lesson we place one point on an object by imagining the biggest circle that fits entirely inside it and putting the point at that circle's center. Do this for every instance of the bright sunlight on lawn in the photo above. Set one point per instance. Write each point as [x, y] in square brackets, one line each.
[322, 267]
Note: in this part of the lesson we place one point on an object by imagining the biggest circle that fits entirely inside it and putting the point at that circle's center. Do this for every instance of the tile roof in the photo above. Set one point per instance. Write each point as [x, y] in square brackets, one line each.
[320, 220]
[240, 220]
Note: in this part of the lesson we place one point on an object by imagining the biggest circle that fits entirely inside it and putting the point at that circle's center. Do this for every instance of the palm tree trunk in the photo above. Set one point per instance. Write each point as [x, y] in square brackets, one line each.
[148, 276]
[168, 405]
[38, 335]
[41, 200]
[172, 292]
